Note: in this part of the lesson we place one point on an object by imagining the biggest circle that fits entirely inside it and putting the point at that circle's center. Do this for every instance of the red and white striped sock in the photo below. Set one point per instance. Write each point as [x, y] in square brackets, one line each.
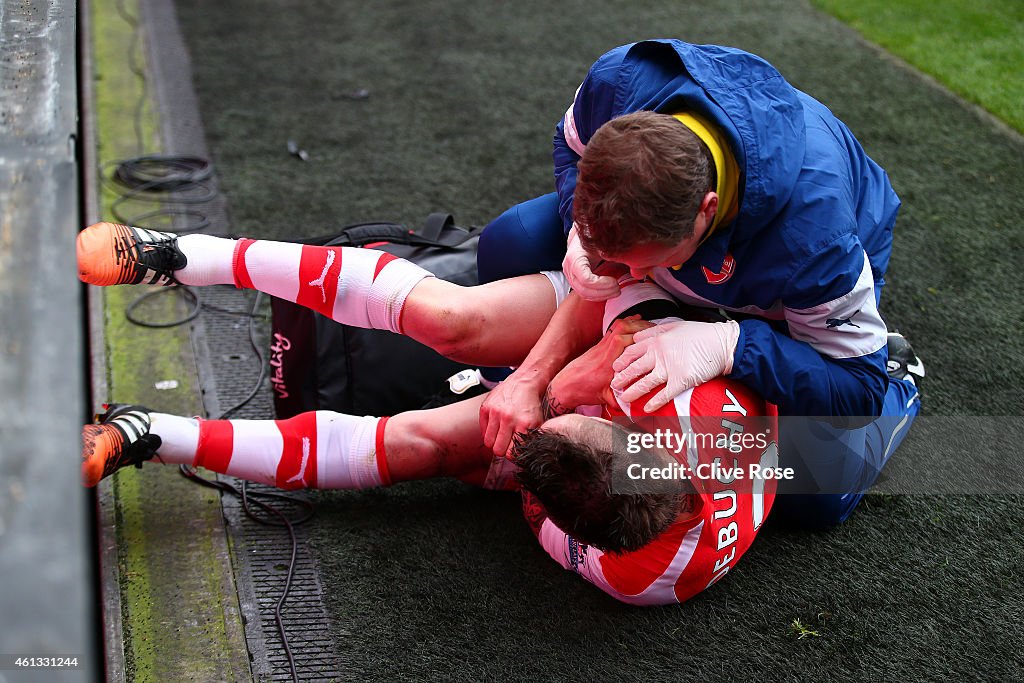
[360, 287]
[207, 260]
[319, 449]
[179, 437]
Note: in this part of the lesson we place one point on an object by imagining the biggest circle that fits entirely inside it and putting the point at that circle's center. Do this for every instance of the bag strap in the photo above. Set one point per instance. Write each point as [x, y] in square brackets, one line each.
[441, 228]
[439, 231]
[366, 233]
[435, 225]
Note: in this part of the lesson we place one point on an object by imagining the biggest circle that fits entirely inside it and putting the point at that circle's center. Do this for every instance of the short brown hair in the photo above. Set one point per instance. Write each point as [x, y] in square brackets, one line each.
[641, 180]
[572, 479]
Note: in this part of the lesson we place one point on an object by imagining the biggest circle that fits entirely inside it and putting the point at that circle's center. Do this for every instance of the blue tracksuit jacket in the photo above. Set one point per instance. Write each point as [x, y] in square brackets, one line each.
[804, 259]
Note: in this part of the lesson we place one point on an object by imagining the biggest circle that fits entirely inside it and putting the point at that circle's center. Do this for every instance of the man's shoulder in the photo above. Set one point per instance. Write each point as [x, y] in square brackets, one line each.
[813, 223]
[713, 65]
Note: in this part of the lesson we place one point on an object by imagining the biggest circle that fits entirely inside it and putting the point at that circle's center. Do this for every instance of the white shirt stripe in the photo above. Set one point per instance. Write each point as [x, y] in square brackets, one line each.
[846, 327]
[572, 136]
[660, 592]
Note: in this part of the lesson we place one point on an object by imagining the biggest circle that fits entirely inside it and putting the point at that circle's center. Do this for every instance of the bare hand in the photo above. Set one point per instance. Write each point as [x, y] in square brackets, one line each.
[586, 380]
[512, 406]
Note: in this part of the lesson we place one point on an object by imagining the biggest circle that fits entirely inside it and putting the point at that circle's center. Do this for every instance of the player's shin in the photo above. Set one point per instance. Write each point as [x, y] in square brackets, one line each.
[313, 450]
[360, 287]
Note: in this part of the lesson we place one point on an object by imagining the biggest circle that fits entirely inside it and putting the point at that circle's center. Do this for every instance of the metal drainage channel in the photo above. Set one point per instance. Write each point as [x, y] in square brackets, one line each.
[227, 371]
[261, 553]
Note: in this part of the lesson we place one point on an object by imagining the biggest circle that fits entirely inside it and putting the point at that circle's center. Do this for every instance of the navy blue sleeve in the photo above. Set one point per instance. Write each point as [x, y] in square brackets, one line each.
[591, 108]
[800, 381]
[832, 363]
[565, 176]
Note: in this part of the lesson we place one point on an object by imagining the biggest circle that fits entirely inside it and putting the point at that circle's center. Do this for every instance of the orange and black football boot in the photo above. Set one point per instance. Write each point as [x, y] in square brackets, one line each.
[120, 438]
[115, 254]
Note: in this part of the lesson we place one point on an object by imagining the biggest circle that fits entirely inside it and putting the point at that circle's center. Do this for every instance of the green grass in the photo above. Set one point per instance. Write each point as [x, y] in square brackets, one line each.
[801, 630]
[974, 47]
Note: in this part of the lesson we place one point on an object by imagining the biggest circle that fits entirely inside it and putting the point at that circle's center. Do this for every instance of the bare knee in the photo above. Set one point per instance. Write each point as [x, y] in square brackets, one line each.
[492, 324]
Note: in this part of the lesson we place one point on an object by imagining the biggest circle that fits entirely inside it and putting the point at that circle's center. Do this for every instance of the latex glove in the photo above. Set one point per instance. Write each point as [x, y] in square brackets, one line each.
[679, 355]
[512, 406]
[579, 271]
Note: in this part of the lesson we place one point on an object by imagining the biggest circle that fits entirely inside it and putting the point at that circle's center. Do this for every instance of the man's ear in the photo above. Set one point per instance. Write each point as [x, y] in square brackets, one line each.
[709, 206]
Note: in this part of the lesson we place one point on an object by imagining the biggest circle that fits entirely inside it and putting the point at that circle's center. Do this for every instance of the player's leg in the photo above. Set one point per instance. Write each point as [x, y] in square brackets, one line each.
[501, 321]
[492, 324]
[319, 449]
[440, 442]
[526, 239]
[360, 287]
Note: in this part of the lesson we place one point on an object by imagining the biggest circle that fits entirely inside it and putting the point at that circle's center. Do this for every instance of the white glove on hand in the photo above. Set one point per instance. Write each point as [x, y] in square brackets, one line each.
[577, 268]
[679, 355]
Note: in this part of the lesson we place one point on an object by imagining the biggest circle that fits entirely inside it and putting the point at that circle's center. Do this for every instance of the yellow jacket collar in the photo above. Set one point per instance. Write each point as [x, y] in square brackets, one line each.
[727, 172]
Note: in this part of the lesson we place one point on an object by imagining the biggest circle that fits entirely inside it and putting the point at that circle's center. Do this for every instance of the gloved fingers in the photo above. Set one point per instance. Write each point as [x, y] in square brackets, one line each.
[644, 366]
[643, 386]
[580, 272]
[594, 287]
[628, 355]
[663, 397]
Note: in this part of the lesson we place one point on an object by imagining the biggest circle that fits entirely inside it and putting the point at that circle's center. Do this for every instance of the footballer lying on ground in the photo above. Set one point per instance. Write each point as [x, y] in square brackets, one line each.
[640, 543]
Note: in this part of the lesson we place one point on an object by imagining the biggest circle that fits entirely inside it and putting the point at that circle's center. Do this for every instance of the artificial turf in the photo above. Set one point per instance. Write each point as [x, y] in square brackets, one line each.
[439, 580]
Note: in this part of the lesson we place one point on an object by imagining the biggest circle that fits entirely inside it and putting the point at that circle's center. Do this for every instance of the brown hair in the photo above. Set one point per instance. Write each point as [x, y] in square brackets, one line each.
[572, 479]
[641, 180]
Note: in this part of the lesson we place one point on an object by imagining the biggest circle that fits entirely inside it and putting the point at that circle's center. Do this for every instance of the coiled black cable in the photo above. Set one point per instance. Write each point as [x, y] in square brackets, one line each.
[177, 185]
[176, 182]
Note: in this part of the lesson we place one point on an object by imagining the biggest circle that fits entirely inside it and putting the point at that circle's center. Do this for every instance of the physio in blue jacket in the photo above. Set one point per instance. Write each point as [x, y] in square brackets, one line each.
[702, 168]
